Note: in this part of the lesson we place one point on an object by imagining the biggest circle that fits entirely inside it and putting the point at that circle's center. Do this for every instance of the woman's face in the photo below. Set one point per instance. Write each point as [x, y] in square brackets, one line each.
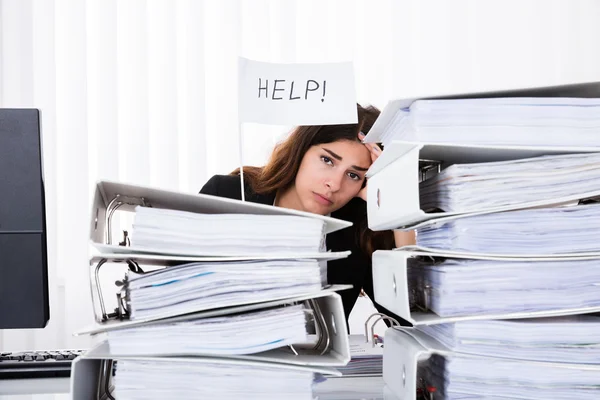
[330, 175]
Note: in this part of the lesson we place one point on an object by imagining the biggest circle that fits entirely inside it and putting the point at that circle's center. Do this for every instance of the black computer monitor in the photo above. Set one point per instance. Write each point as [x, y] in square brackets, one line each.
[23, 257]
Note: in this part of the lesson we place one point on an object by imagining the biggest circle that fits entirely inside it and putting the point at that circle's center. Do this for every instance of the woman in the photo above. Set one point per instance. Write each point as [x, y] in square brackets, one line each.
[321, 169]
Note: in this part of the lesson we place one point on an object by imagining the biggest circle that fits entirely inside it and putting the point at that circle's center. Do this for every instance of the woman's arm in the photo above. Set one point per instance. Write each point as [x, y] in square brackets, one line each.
[405, 238]
[211, 187]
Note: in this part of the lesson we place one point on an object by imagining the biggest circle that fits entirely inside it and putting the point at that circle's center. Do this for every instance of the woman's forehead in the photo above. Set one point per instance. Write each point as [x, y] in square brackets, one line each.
[351, 152]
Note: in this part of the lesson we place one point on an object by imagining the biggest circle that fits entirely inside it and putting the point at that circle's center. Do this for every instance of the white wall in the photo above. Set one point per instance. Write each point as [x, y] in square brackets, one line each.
[144, 91]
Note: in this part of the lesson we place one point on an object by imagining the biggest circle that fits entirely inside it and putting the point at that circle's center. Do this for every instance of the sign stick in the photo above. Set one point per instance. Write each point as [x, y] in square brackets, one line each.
[241, 149]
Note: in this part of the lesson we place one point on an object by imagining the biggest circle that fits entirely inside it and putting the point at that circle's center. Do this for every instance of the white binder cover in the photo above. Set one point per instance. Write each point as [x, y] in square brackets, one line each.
[133, 195]
[393, 190]
[506, 257]
[114, 252]
[405, 348]
[391, 287]
[155, 261]
[331, 307]
[86, 369]
[336, 332]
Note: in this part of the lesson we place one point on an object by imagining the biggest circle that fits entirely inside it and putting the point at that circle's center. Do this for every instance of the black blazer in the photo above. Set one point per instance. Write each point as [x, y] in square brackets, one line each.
[355, 269]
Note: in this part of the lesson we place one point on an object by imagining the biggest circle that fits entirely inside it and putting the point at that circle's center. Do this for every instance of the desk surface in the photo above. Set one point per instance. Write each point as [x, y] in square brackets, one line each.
[355, 388]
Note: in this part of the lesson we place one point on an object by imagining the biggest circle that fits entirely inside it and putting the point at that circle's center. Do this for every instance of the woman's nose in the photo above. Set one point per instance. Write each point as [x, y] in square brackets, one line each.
[334, 182]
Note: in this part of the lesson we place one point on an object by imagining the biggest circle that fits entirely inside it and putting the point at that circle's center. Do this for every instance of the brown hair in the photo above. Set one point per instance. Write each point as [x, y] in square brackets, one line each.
[280, 171]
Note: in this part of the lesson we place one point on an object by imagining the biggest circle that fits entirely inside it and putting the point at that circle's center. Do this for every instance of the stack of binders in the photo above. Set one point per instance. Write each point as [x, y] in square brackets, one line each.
[502, 285]
[220, 299]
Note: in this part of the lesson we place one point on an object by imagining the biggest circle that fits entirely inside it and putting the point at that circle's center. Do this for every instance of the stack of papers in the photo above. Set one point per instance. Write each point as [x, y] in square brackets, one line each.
[202, 286]
[241, 334]
[366, 359]
[520, 121]
[495, 240]
[363, 388]
[571, 339]
[221, 299]
[194, 234]
[477, 287]
[544, 231]
[464, 377]
[472, 187]
[177, 379]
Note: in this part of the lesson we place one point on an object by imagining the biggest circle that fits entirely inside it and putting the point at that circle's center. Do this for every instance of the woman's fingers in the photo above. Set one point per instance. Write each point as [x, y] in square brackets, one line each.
[373, 147]
[375, 151]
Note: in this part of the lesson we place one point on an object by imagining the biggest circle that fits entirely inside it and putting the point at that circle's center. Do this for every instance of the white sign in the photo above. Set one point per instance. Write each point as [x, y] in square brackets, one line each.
[296, 94]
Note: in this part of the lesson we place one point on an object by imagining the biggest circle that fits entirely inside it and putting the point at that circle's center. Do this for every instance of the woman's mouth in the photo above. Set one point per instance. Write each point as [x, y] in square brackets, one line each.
[322, 199]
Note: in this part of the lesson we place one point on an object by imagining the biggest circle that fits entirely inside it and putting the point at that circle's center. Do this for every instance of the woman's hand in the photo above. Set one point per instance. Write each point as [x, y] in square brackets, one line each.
[375, 152]
[402, 238]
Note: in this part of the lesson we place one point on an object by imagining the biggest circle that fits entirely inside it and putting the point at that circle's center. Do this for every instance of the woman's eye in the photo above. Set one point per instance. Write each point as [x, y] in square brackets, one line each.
[326, 160]
[353, 176]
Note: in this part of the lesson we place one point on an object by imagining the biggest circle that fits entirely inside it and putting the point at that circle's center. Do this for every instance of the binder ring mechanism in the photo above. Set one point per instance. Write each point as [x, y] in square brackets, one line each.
[105, 386]
[420, 295]
[117, 202]
[375, 339]
[426, 166]
[121, 312]
[324, 342]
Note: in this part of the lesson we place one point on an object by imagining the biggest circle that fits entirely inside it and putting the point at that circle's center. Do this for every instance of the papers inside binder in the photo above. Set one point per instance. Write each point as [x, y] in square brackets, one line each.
[455, 287]
[366, 359]
[521, 121]
[570, 339]
[403, 191]
[178, 379]
[458, 376]
[532, 232]
[247, 333]
[113, 198]
[427, 289]
[425, 363]
[202, 286]
[186, 233]
[489, 185]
